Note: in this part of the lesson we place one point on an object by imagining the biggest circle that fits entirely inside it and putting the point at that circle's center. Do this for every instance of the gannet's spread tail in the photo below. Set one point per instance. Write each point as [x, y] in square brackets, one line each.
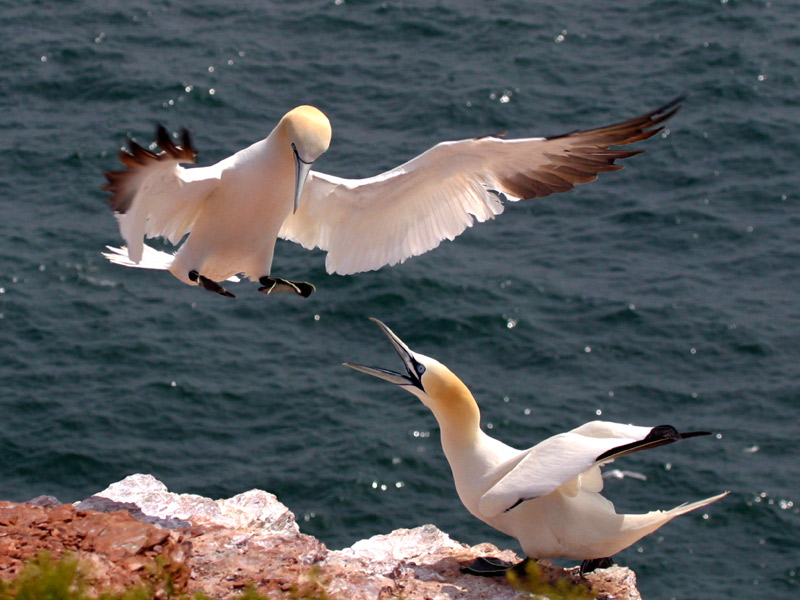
[548, 496]
[151, 259]
[234, 211]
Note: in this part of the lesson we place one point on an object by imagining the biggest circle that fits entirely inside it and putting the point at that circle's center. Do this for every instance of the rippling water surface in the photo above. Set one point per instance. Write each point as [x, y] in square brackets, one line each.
[667, 292]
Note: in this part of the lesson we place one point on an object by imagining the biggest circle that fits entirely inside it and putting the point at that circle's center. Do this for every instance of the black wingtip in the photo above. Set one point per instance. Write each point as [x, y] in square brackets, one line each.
[164, 139]
[186, 140]
[161, 131]
[691, 434]
[660, 435]
[675, 102]
[663, 432]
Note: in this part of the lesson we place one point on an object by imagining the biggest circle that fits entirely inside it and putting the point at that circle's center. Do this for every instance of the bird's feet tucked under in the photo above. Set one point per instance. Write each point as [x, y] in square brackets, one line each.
[488, 566]
[208, 284]
[591, 564]
[274, 285]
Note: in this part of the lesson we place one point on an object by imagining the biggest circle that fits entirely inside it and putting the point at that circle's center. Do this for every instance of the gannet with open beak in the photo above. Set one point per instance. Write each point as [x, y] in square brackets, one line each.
[235, 210]
[548, 496]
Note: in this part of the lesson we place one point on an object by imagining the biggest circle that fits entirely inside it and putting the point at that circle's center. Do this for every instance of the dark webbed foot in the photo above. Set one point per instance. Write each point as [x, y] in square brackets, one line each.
[274, 285]
[488, 566]
[208, 284]
[591, 564]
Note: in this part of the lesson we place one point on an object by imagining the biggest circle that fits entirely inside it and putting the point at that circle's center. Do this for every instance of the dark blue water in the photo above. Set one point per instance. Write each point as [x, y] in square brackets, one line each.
[667, 292]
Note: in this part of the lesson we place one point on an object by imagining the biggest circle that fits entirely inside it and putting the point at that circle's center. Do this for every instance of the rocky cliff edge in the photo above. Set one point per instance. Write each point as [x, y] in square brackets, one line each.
[218, 547]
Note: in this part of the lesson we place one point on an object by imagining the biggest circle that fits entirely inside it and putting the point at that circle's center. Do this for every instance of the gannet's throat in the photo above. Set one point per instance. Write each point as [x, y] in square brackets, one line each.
[452, 404]
[309, 133]
[301, 170]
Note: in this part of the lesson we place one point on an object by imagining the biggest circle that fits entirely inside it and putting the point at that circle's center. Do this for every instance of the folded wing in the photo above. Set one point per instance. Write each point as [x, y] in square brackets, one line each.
[559, 460]
[154, 195]
[365, 224]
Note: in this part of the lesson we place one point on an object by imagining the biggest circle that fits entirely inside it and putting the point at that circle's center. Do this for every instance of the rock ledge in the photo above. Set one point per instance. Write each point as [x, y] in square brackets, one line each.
[219, 546]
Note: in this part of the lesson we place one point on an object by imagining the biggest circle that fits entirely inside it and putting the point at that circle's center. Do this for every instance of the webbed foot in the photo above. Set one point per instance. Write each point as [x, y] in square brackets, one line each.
[488, 566]
[589, 565]
[274, 285]
[208, 284]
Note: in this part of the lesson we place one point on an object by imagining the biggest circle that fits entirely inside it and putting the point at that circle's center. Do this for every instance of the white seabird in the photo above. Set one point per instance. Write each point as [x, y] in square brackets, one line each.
[548, 497]
[234, 211]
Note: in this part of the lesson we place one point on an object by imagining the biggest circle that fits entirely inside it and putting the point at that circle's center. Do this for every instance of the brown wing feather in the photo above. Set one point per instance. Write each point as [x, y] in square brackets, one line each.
[123, 184]
[579, 156]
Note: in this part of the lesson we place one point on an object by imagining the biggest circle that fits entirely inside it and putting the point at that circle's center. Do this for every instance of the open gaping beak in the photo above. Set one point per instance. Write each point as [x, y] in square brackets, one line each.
[414, 369]
[301, 174]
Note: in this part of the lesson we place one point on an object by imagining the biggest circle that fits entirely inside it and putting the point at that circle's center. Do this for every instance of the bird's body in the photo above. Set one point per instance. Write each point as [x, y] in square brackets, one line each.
[548, 497]
[574, 520]
[234, 211]
[236, 230]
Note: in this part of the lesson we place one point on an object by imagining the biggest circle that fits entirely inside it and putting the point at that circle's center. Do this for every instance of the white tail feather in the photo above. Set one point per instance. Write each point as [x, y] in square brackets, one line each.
[690, 506]
[151, 258]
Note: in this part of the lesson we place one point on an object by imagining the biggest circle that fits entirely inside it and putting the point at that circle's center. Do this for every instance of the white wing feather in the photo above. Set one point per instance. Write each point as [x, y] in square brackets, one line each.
[167, 203]
[155, 196]
[365, 224]
[556, 462]
[368, 223]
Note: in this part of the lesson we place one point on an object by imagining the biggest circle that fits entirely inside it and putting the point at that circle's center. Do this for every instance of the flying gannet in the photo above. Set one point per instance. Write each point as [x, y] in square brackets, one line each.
[234, 211]
[548, 497]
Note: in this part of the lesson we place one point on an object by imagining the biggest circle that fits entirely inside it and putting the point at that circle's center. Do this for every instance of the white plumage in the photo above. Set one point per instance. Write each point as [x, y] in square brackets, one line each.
[234, 211]
[548, 497]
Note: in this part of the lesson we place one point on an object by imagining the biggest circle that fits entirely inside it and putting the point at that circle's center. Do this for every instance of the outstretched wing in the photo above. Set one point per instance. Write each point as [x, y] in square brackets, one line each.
[154, 195]
[559, 460]
[365, 224]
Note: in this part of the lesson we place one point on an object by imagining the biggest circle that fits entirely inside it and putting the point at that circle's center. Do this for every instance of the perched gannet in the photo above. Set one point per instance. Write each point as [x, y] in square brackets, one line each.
[235, 210]
[548, 496]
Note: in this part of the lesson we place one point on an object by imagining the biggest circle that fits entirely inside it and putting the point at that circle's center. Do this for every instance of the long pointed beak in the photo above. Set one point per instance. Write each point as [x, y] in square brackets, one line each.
[410, 363]
[385, 374]
[301, 170]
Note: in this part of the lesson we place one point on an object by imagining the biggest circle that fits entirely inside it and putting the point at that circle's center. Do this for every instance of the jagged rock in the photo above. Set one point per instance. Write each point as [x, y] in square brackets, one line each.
[254, 509]
[120, 548]
[219, 546]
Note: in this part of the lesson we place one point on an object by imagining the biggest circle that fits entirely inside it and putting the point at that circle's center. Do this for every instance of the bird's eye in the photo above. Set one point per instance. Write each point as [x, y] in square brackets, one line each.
[420, 369]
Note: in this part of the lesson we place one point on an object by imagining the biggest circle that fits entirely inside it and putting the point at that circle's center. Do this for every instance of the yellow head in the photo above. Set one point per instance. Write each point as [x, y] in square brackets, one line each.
[309, 131]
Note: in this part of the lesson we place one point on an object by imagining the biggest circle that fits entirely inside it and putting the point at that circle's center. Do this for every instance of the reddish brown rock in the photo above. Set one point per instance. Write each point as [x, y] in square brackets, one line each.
[219, 547]
[120, 548]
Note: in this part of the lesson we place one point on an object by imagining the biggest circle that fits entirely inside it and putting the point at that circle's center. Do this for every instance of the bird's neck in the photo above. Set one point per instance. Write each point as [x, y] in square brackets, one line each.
[458, 415]
[275, 149]
[470, 452]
